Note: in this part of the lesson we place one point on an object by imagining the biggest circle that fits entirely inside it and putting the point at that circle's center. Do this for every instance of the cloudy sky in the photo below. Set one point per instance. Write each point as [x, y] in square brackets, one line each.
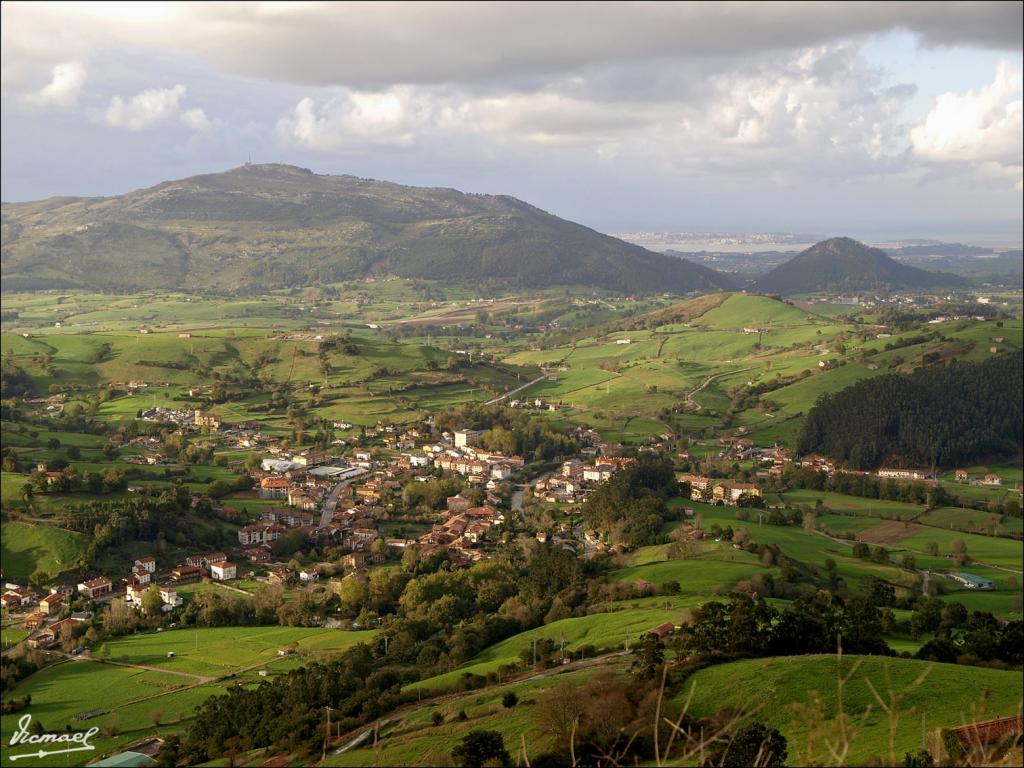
[861, 118]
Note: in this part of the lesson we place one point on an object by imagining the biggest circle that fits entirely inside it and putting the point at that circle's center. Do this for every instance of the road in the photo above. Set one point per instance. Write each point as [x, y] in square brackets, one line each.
[331, 504]
[517, 389]
[692, 405]
[198, 679]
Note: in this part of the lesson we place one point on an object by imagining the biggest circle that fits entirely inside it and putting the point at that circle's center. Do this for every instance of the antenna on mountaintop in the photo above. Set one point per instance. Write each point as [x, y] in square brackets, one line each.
[249, 161]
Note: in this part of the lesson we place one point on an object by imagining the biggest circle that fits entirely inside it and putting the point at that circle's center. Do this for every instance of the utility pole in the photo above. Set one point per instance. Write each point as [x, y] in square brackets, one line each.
[535, 652]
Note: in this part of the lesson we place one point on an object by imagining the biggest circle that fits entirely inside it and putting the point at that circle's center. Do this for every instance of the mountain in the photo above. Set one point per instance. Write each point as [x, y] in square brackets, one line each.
[270, 226]
[842, 264]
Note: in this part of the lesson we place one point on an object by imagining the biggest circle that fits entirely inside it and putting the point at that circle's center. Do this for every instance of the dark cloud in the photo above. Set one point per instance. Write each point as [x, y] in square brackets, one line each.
[372, 45]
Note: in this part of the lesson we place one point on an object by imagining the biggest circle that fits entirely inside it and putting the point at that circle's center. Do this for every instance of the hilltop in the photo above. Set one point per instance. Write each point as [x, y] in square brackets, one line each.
[842, 264]
[272, 226]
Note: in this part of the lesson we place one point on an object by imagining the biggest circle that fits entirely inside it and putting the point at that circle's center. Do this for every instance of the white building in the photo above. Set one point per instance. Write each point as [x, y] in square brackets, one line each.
[466, 437]
[223, 571]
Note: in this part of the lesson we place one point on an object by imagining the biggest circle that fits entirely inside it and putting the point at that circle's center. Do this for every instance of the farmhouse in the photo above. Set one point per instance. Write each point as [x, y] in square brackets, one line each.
[962, 476]
[148, 562]
[97, 587]
[992, 479]
[223, 570]
[664, 630]
[51, 604]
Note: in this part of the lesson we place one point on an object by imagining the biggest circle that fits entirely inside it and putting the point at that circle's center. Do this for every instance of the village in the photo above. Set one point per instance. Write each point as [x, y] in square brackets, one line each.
[335, 498]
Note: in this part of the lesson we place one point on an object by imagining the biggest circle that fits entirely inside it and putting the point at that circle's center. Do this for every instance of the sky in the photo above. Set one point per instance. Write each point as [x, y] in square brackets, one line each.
[865, 118]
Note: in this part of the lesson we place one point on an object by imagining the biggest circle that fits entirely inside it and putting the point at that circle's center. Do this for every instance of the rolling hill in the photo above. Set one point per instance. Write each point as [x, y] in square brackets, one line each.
[842, 264]
[270, 226]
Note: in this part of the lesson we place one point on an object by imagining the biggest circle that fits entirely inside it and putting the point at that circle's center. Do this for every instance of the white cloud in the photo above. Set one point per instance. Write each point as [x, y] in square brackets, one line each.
[980, 126]
[64, 87]
[145, 109]
[196, 120]
[356, 118]
[821, 109]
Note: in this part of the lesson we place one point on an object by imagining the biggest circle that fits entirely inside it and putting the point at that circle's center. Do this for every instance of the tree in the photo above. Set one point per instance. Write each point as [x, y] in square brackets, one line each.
[479, 748]
[509, 699]
[932, 548]
[152, 603]
[752, 745]
[120, 618]
[155, 716]
[559, 711]
[808, 522]
[861, 550]
[168, 756]
[648, 656]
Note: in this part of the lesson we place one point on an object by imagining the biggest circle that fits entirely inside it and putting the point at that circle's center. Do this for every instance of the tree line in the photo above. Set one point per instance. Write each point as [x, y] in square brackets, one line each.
[939, 416]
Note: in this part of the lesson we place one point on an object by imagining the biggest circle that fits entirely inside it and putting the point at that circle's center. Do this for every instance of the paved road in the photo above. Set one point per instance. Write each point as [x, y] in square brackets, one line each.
[331, 504]
[517, 389]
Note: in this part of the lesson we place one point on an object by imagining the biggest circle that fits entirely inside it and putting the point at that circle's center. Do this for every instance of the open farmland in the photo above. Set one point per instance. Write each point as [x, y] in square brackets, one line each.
[218, 651]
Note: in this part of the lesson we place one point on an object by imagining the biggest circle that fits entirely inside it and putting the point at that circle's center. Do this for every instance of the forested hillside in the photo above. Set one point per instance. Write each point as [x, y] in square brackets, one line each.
[274, 226]
[938, 416]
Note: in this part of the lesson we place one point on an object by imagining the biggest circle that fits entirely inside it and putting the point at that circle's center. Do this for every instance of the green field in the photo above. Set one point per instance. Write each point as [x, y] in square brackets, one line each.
[414, 740]
[599, 630]
[774, 690]
[39, 550]
[218, 651]
[854, 504]
[127, 698]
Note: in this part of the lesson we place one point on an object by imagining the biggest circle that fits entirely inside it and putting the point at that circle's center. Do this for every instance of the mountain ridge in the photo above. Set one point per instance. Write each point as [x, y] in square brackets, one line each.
[272, 226]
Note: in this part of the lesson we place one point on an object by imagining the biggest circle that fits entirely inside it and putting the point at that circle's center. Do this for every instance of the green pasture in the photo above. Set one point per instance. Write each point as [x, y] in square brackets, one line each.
[39, 550]
[219, 651]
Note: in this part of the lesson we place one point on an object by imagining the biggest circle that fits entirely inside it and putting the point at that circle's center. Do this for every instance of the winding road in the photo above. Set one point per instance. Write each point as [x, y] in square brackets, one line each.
[691, 404]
